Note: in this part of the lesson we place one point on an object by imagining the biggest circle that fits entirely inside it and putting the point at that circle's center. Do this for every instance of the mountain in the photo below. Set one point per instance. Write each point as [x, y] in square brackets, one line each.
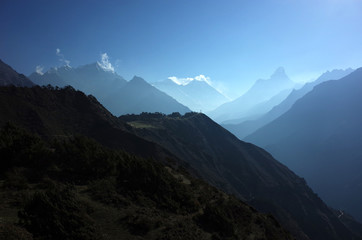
[320, 138]
[10, 77]
[197, 95]
[261, 91]
[51, 77]
[65, 112]
[247, 127]
[244, 170]
[107, 192]
[57, 182]
[138, 96]
[118, 95]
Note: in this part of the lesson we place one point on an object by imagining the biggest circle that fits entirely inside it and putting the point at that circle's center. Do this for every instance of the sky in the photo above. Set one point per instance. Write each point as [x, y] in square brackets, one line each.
[232, 43]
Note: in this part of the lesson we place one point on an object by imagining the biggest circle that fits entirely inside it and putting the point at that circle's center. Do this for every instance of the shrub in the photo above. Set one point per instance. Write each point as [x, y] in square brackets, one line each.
[19, 148]
[57, 214]
[216, 219]
[145, 177]
[82, 160]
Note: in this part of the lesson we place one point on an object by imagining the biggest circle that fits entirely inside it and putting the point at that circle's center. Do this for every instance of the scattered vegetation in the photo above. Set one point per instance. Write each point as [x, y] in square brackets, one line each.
[145, 116]
[75, 188]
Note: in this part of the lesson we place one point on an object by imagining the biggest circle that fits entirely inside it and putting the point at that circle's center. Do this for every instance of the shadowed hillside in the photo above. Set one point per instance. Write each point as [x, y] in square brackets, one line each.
[243, 169]
[75, 188]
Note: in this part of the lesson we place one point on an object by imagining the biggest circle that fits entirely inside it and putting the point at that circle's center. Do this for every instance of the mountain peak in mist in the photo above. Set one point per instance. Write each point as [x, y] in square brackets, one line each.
[277, 82]
[279, 72]
[196, 93]
[137, 79]
[262, 91]
[278, 77]
[139, 82]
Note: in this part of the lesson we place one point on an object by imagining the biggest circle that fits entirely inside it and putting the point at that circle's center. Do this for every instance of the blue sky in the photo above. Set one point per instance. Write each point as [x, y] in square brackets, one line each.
[233, 43]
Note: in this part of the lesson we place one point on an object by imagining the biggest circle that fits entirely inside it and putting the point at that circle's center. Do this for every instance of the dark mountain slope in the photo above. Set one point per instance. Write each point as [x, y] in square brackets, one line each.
[244, 170]
[320, 138]
[246, 128]
[76, 188]
[63, 112]
[138, 96]
[9, 77]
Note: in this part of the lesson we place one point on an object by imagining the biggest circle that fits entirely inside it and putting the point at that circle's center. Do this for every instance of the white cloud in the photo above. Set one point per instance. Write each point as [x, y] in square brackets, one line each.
[174, 79]
[181, 81]
[184, 81]
[39, 69]
[187, 80]
[202, 78]
[62, 58]
[105, 63]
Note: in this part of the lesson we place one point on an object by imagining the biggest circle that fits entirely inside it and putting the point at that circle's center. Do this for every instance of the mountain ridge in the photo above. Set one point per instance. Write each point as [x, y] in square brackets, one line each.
[328, 135]
[247, 127]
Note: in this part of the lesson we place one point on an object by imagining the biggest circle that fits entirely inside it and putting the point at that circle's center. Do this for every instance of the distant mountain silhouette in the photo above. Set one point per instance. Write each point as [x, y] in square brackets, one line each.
[138, 96]
[197, 95]
[261, 91]
[9, 77]
[91, 79]
[320, 138]
[246, 127]
[52, 77]
[243, 169]
[118, 95]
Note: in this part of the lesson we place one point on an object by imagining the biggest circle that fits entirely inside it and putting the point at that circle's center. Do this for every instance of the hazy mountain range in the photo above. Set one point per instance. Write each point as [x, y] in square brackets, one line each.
[197, 95]
[251, 103]
[320, 138]
[91, 79]
[117, 94]
[243, 128]
[148, 186]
